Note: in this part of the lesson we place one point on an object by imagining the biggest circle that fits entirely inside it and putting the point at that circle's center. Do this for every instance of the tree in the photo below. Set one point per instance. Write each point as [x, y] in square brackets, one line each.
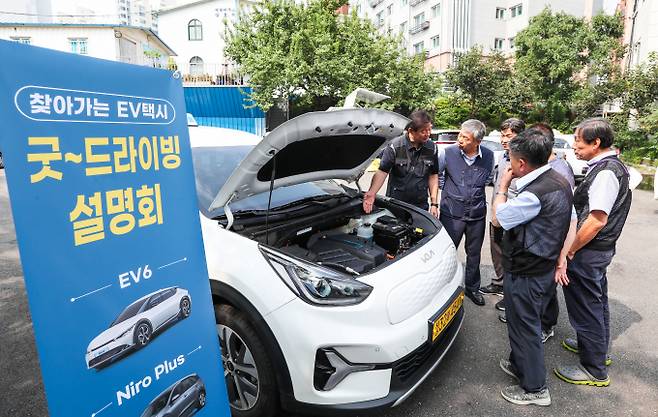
[306, 52]
[559, 55]
[480, 79]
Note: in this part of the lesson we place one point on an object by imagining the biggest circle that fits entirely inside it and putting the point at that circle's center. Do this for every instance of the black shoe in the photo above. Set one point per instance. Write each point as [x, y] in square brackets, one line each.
[492, 289]
[502, 318]
[476, 297]
[500, 305]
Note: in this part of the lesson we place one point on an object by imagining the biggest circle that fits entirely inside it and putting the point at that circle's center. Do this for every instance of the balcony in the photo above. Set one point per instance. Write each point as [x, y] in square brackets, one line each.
[413, 3]
[423, 26]
[374, 3]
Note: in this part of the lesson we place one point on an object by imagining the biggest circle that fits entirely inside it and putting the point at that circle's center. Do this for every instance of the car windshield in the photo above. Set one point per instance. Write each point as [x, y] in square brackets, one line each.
[561, 144]
[491, 145]
[129, 312]
[214, 165]
[157, 405]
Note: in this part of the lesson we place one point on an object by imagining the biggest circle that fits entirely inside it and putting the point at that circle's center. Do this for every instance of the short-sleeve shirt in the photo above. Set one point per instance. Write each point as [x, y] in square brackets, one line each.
[388, 155]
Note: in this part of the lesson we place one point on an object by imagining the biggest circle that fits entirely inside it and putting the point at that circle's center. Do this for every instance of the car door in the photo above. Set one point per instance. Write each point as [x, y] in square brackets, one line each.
[179, 401]
[154, 312]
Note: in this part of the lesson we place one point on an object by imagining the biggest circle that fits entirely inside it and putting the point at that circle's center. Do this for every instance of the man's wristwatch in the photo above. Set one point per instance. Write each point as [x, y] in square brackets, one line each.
[434, 204]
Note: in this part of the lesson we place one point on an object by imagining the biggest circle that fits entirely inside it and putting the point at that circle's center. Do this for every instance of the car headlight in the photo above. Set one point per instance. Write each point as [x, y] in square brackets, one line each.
[316, 284]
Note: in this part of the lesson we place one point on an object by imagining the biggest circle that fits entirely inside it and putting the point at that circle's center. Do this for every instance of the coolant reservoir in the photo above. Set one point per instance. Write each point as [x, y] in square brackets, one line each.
[365, 231]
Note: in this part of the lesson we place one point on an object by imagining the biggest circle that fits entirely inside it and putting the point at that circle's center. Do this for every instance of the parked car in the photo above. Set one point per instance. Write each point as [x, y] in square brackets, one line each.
[494, 145]
[563, 148]
[444, 137]
[320, 308]
[182, 399]
[137, 324]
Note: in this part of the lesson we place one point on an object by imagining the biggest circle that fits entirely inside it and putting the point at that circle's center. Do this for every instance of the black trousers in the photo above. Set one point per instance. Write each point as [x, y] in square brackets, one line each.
[526, 299]
[474, 231]
[586, 297]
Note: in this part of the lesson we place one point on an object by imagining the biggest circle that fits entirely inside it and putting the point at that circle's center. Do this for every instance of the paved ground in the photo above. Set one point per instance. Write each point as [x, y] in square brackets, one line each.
[468, 382]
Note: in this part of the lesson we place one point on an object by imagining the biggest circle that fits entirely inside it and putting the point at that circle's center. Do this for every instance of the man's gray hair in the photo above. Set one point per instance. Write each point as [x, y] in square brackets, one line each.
[476, 127]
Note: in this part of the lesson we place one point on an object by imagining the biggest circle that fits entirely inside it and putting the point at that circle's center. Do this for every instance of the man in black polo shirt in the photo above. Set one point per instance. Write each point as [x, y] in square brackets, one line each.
[411, 161]
[602, 202]
[536, 225]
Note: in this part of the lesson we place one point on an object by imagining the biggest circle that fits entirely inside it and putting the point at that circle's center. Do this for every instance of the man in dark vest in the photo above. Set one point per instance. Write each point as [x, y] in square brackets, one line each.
[411, 161]
[466, 168]
[602, 202]
[536, 224]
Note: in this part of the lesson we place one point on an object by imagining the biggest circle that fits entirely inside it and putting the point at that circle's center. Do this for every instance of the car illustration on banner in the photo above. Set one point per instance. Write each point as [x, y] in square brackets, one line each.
[183, 398]
[137, 323]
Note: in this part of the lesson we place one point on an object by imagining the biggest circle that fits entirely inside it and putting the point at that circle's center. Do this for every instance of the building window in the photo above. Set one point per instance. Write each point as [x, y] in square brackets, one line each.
[419, 19]
[195, 30]
[498, 44]
[436, 10]
[78, 45]
[517, 10]
[358, 9]
[511, 43]
[500, 13]
[196, 66]
[22, 39]
[419, 48]
[379, 19]
[404, 2]
[436, 41]
[403, 27]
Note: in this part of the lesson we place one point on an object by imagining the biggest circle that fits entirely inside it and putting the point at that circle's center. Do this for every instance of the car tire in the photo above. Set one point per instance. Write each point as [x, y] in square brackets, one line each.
[143, 334]
[185, 306]
[201, 400]
[243, 349]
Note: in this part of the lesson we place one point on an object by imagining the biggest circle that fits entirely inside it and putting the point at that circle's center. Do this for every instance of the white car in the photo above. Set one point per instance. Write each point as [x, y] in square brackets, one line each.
[136, 324]
[564, 149]
[320, 308]
[494, 145]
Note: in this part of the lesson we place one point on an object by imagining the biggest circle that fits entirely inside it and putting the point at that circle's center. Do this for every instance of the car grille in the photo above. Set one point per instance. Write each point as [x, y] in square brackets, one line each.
[105, 356]
[407, 367]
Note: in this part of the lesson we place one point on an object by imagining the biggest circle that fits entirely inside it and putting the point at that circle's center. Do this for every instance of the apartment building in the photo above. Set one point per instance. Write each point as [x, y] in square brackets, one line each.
[441, 29]
[640, 29]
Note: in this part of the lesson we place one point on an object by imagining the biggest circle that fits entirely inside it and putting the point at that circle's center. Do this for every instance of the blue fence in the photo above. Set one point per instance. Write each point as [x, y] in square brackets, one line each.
[224, 106]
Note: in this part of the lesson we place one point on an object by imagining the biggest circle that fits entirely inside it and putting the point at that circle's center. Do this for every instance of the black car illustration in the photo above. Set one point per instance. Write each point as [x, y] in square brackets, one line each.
[181, 399]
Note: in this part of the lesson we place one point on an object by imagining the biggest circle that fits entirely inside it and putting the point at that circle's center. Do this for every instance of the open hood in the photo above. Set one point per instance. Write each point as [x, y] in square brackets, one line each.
[314, 146]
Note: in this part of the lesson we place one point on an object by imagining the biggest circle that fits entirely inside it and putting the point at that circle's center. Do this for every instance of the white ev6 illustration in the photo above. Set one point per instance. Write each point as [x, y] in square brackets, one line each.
[137, 324]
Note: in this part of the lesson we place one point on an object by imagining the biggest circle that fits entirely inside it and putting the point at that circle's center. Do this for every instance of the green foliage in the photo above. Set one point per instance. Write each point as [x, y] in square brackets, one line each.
[571, 65]
[306, 52]
[481, 80]
[450, 111]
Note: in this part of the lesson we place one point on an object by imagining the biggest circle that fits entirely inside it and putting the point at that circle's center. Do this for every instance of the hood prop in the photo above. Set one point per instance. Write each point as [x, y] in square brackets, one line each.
[269, 199]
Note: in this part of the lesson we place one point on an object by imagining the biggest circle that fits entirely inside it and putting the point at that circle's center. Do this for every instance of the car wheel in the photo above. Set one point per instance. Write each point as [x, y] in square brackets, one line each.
[250, 380]
[185, 307]
[201, 399]
[143, 333]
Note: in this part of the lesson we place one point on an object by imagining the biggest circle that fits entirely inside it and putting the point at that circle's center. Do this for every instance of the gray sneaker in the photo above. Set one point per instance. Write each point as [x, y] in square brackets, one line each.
[517, 395]
[508, 368]
[547, 335]
[571, 344]
[578, 375]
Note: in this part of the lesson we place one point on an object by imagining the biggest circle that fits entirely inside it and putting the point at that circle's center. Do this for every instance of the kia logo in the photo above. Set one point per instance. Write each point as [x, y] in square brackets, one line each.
[427, 256]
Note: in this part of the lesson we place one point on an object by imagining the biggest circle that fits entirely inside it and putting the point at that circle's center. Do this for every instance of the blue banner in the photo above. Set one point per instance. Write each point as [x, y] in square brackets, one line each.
[99, 170]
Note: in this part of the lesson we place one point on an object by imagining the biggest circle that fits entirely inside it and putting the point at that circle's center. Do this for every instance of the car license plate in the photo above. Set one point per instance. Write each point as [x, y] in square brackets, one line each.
[446, 317]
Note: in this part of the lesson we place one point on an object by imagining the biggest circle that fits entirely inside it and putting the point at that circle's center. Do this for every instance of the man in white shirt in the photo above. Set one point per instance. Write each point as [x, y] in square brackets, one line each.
[602, 202]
